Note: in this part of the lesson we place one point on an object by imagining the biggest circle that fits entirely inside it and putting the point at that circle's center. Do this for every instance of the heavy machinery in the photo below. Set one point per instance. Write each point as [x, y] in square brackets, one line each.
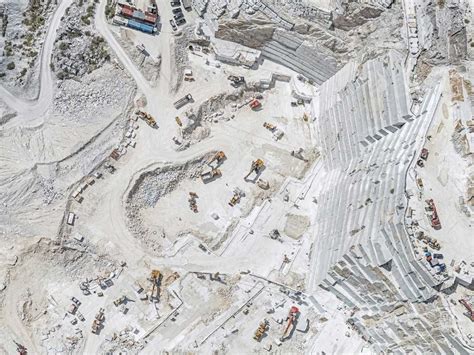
[119, 301]
[262, 328]
[155, 279]
[263, 184]
[183, 101]
[238, 194]
[210, 174]
[470, 311]
[255, 104]
[291, 322]
[269, 126]
[147, 118]
[257, 166]
[236, 80]
[192, 201]
[20, 348]
[178, 121]
[424, 154]
[219, 157]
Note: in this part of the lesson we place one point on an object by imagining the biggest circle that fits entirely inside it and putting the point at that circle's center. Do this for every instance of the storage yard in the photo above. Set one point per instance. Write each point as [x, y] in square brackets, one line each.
[206, 176]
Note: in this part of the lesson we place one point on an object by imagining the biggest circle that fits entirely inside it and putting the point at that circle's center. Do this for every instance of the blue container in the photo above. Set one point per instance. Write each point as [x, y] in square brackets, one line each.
[140, 26]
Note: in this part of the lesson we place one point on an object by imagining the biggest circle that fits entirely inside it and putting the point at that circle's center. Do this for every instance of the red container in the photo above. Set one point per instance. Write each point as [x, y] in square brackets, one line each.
[150, 18]
[127, 12]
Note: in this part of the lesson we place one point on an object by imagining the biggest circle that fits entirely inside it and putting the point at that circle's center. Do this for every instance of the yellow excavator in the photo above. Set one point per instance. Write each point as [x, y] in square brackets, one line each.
[256, 167]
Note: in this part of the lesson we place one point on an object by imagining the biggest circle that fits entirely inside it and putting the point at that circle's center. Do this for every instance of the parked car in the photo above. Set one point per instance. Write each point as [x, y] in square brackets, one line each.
[177, 10]
[181, 21]
[173, 25]
[178, 16]
[175, 3]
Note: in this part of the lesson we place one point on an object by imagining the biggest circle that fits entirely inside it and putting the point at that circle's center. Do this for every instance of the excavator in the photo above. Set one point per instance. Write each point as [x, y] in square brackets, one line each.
[147, 118]
[219, 157]
[256, 167]
[292, 317]
[155, 278]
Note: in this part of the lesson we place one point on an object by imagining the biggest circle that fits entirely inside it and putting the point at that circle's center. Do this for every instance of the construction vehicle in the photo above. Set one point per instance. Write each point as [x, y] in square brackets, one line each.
[291, 322]
[470, 311]
[269, 126]
[95, 326]
[22, 350]
[183, 101]
[119, 301]
[255, 104]
[262, 328]
[178, 121]
[435, 222]
[100, 315]
[219, 157]
[424, 154]
[147, 118]
[305, 117]
[155, 279]
[263, 184]
[257, 166]
[188, 75]
[299, 154]
[236, 80]
[238, 194]
[210, 174]
[192, 201]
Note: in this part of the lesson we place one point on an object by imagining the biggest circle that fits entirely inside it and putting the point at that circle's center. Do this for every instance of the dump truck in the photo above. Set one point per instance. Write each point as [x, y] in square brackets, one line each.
[155, 279]
[209, 174]
[183, 101]
[119, 301]
[256, 167]
[262, 328]
[147, 118]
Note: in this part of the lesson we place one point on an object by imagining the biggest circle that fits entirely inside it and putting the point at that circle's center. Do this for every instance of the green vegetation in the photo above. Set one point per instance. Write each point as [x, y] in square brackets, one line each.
[11, 66]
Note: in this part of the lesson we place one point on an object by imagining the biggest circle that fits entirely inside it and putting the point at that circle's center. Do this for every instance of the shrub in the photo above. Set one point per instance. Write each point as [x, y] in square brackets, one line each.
[11, 66]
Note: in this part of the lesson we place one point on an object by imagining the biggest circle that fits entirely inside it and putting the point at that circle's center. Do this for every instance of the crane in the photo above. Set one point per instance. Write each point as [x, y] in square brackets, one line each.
[292, 317]
[470, 311]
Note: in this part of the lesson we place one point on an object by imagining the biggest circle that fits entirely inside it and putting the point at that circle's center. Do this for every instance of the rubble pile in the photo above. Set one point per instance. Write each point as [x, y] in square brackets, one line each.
[78, 49]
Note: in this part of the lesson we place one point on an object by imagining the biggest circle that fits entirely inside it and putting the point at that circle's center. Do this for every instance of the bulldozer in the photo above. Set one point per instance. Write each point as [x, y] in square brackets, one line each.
[155, 279]
[262, 328]
[257, 166]
[147, 118]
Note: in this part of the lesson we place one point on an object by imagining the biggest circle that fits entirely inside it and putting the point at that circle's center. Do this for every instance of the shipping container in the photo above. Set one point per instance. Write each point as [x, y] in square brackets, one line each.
[150, 18]
[138, 15]
[120, 21]
[140, 26]
[127, 12]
